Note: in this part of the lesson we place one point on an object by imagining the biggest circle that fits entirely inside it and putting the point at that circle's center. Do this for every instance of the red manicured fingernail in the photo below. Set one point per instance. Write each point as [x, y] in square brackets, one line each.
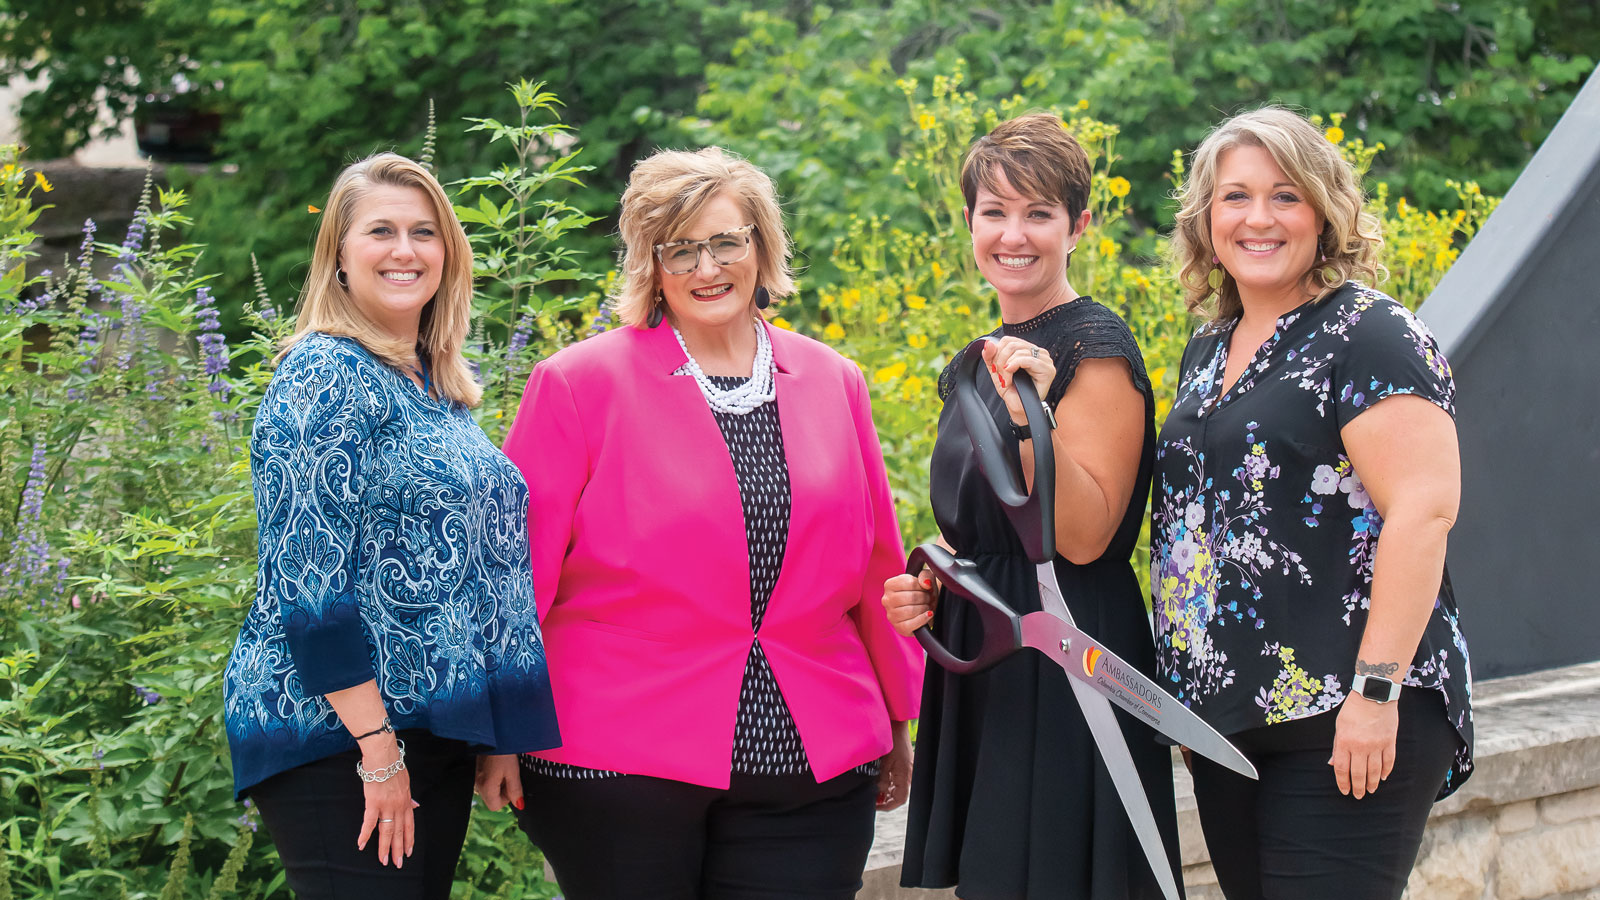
[517, 803]
[928, 614]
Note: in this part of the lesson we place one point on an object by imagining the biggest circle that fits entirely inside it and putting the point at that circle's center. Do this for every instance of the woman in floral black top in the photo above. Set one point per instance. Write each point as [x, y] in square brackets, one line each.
[1305, 482]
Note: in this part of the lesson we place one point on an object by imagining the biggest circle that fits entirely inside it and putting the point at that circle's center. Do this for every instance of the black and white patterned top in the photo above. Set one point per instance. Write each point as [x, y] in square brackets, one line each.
[765, 739]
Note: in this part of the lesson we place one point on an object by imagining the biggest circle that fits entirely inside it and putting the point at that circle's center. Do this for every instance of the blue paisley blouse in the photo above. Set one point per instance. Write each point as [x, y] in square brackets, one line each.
[1262, 534]
[394, 546]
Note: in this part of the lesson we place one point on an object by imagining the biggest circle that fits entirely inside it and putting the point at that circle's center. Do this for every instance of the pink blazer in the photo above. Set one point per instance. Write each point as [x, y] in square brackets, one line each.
[641, 568]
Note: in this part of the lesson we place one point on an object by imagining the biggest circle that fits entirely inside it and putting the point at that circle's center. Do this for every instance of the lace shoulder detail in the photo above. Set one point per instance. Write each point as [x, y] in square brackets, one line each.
[1072, 332]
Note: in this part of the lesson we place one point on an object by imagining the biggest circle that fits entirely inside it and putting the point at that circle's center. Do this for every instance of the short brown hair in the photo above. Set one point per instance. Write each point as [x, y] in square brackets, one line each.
[1039, 157]
[326, 305]
[1350, 237]
[666, 192]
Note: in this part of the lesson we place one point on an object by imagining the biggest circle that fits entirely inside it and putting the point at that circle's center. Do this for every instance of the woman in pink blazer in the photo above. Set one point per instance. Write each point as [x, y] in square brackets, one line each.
[711, 527]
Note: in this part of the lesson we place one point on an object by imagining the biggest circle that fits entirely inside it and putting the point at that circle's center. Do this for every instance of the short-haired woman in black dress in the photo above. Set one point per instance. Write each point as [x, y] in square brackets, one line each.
[1008, 799]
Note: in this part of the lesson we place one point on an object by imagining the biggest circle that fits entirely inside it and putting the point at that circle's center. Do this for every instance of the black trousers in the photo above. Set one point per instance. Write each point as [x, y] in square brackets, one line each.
[1293, 836]
[633, 837]
[314, 811]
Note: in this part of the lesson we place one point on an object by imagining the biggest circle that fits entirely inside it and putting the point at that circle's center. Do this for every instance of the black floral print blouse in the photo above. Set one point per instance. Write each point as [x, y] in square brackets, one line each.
[1262, 534]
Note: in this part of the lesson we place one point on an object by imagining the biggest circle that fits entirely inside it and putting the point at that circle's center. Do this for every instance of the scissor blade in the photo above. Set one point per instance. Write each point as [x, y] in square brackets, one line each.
[1090, 663]
[1119, 763]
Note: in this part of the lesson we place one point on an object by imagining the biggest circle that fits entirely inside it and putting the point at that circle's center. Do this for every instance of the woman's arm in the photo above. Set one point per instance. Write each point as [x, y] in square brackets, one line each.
[547, 443]
[897, 661]
[312, 447]
[389, 802]
[1404, 450]
[1097, 441]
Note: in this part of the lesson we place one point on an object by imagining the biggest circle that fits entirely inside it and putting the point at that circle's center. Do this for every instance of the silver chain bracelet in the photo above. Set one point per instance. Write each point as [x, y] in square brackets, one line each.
[387, 772]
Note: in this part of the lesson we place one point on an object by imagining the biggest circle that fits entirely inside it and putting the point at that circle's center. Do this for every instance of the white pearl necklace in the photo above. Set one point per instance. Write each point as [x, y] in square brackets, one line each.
[751, 395]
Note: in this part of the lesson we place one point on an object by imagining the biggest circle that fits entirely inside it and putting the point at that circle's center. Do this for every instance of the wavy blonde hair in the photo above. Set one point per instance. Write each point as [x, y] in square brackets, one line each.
[1350, 236]
[665, 194]
[326, 306]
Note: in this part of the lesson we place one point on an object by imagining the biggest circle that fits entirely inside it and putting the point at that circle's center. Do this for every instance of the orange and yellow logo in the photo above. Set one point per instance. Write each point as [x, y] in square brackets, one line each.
[1091, 658]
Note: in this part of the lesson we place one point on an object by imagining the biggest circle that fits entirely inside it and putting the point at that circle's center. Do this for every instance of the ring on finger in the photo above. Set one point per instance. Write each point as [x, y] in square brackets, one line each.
[385, 821]
[1034, 352]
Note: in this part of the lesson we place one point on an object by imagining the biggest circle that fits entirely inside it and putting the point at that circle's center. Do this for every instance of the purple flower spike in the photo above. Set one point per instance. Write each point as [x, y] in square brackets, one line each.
[213, 345]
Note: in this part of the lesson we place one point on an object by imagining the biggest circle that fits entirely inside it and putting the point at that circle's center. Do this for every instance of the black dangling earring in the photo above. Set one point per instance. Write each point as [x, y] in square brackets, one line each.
[762, 298]
[656, 315]
[339, 276]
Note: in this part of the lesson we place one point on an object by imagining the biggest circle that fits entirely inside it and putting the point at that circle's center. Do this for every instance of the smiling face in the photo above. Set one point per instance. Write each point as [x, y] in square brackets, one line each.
[1263, 229]
[393, 257]
[1021, 244]
[711, 295]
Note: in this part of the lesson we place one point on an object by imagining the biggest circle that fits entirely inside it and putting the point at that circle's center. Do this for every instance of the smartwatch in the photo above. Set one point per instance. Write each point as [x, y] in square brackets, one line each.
[1376, 688]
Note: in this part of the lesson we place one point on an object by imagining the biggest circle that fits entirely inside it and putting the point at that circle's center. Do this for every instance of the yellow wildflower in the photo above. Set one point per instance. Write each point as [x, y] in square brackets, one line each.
[1083, 103]
[889, 373]
[833, 332]
[1334, 134]
[43, 182]
[963, 310]
[917, 341]
[783, 323]
[826, 300]
[938, 270]
[916, 301]
[926, 121]
[1443, 259]
[883, 316]
[911, 388]
[313, 209]
[1158, 374]
[850, 297]
[1119, 186]
[1108, 247]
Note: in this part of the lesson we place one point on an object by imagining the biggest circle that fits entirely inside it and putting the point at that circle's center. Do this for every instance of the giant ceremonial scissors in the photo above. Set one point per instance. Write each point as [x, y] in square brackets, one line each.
[1098, 676]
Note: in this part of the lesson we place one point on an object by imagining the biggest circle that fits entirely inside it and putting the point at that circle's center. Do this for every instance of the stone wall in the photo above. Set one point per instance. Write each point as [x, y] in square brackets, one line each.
[1526, 826]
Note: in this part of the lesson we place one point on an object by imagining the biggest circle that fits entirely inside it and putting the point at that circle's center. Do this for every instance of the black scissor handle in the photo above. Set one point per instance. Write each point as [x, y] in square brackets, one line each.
[1002, 628]
[1032, 514]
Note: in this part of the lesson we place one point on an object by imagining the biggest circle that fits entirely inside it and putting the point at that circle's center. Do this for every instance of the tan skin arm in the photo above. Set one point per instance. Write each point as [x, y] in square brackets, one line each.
[361, 710]
[1405, 451]
[1100, 432]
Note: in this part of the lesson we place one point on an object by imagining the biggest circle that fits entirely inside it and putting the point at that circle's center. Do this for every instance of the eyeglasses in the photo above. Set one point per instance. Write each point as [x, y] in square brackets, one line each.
[682, 257]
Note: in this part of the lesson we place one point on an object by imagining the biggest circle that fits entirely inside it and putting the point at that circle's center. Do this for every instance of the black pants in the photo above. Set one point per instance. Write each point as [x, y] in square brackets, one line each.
[773, 837]
[314, 811]
[1293, 836]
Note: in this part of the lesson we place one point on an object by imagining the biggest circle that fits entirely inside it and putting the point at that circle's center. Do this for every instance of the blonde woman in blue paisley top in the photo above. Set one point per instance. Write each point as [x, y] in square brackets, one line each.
[394, 635]
[1306, 480]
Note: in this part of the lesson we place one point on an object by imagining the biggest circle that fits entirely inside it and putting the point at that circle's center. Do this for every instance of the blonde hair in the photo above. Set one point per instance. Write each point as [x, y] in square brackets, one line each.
[665, 194]
[326, 305]
[1039, 157]
[1350, 237]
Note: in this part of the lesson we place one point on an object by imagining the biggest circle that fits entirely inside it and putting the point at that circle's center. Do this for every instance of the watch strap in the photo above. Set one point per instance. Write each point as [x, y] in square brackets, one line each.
[385, 728]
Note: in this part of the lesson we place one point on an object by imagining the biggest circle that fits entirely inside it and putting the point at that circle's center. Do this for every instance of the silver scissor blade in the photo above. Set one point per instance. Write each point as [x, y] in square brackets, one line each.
[1119, 763]
[1088, 662]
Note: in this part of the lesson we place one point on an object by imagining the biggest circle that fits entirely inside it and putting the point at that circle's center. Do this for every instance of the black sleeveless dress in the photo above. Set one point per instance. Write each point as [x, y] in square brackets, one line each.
[1010, 799]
